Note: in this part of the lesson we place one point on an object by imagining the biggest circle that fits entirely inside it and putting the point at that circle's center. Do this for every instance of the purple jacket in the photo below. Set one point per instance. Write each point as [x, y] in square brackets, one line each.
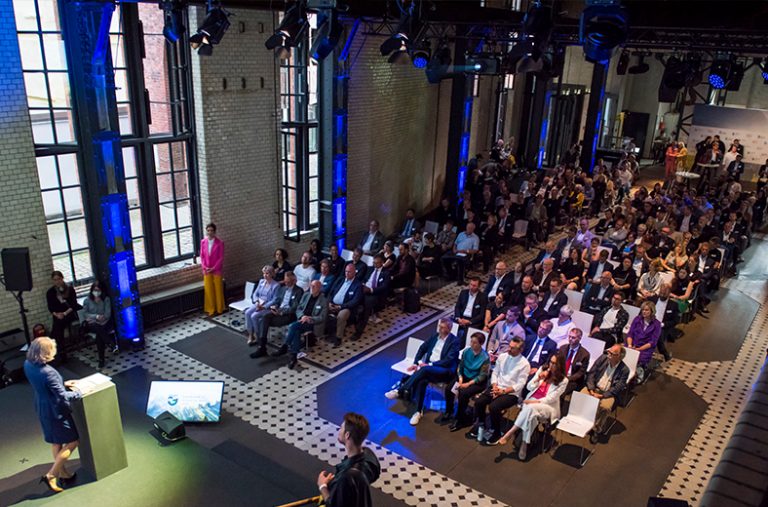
[642, 336]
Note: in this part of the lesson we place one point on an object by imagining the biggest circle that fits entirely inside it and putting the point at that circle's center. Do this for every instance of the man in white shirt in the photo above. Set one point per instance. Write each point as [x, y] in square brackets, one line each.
[507, 382]
[304, 272]
[610, 322]
[561, 325]
[466, 245]
[373, 240]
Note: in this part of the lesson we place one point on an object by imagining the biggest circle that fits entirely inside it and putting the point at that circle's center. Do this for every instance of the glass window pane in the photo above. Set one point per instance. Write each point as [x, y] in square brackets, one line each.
[164, 189]
[46, 172]
[61, 263]
[179, 151]
[52, 205]
[129, 162]
[68, 170]
[170, 245]
[181, 184]
[65, 128]
[57, 238]
[37, 93]
[49, 15]
[137, 226]
[25, 14]
[184, 214]
[167, 217]
[59, 84]
[313, 219]
[139, 252]
[78, 237]
[82, 260]
[31, 56]
[186, 241]
[55, 58]
[162, 158]
[121, 85]
[73, 202]
[313, 189]
[116, 25]
[312, 165]
[132, 191]
[124, 117]
[42, 130]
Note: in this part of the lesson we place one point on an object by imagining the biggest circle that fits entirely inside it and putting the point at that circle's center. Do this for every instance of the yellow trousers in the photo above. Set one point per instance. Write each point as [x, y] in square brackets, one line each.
[214, 294]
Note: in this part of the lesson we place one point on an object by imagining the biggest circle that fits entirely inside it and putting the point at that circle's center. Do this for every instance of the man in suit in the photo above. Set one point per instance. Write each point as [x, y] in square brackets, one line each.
[520, 293]
[542, 278]
[532, 314]
[325, 276]
[609, 323]
[310, 315]
[282, 311]
[668, 314]
[499, 282]
[576, 361]
[404, 271]
[344, 300]
[373, 240]
[470, 309]
[407, 227]
[361, 268]
[548, 252]
[503, 332]
[435, 361]
[605, 381]
[596, 269]
[564, 245]
[599, 295]
[539, 347]
[506, 227]
[554, 298]
[707, 273]
[375, 291]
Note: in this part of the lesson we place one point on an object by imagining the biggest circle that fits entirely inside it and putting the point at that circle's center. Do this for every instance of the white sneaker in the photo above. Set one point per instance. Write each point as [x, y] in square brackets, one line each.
[376, 319]
[415, 418]
[391, 395]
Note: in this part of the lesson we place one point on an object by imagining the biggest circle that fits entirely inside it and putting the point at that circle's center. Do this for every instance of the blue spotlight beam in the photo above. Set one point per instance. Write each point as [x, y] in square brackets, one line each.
[85, 27]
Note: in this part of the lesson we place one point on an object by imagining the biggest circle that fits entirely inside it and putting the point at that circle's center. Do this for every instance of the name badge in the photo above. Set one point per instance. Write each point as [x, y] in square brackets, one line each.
[318, 307]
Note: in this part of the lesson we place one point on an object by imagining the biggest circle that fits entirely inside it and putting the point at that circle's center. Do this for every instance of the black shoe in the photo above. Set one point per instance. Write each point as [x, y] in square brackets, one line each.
[281, 351]
[336, 342]
[293, 361]
[456, 426]
[356, 336]
[260, 352]
[444, 418]
[472, 433]
[493, 438]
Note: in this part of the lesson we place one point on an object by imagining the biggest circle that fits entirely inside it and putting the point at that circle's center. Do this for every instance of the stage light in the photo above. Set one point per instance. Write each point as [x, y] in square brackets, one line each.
[437, 68]
[623, 63]
[402, 42]
[173, 20]
[290, 31]
[420, 59]
[737, 74]
[763, 66]
[328, 35]
[211, 31]
[602, 27]
[720, 73]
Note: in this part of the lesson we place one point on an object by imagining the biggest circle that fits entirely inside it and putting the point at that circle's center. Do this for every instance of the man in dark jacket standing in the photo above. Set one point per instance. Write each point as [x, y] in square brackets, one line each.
[350, 485]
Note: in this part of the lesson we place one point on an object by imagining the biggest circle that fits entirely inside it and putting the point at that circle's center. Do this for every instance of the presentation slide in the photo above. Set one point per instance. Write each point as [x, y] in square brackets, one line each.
[188, 401]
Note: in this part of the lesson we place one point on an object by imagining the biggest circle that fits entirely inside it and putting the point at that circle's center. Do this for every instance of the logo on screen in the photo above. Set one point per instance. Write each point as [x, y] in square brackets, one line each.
[173, 399]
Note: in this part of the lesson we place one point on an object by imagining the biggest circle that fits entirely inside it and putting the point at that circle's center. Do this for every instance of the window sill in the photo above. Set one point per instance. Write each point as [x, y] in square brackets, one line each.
[146, 274]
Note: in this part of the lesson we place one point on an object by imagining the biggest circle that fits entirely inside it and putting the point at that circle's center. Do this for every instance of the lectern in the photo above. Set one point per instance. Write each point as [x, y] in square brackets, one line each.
[97, 415]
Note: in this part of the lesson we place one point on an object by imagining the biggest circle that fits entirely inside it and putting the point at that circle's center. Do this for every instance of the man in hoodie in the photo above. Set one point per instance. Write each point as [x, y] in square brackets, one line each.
[349, 486]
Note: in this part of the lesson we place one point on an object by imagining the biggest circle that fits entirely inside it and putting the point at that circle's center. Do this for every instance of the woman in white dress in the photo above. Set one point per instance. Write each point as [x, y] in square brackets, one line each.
[542, 402]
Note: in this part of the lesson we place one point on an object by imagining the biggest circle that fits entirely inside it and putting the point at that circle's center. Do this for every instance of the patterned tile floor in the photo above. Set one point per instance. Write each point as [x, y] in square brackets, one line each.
[267, 401]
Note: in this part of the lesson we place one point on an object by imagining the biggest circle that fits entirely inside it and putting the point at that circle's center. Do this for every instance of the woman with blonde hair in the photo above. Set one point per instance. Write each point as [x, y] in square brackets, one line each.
[643, 335]
[52, 402]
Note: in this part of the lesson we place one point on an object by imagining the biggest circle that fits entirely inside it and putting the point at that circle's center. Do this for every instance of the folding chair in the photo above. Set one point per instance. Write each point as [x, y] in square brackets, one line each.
[633, 312]
[410, 354]
[574, 298]
[580, 420]
[246, 302]
[595, 348]
[630, 359]
[583, 321]
[430, 226]
[520, 232]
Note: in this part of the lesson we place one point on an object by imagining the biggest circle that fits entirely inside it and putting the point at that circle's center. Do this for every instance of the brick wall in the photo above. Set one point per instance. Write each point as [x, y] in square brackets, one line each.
[21, 205]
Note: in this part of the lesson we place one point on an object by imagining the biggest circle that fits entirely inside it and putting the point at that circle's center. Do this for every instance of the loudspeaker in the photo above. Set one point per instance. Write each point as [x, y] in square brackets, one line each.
[169, 427]
[17, 269]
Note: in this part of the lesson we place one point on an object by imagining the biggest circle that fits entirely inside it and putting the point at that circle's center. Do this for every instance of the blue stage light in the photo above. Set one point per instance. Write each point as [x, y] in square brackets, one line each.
[420, 61]
[716, 81]
[720, 73]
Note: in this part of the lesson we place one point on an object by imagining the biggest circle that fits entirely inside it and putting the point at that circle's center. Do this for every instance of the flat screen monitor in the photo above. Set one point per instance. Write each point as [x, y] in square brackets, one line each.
[187, 400]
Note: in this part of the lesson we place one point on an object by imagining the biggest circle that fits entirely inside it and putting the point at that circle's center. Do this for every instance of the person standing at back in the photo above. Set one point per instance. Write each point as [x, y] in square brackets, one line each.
[212, 262]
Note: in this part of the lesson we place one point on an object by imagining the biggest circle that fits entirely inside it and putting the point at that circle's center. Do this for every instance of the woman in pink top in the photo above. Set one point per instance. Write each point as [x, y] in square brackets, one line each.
[212, 261]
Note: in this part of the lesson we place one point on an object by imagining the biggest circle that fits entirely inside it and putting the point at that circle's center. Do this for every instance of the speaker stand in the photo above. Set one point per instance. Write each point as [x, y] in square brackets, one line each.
[22, 311]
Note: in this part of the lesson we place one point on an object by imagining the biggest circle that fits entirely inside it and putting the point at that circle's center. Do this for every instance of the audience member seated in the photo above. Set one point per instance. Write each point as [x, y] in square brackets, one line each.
[542, 279]
[532, 314]
[390, 258]
[373, 240]
[436, 361]
[375, 291]
[572, 271]
[495, 312]
[325, 276]
[261, 296]
[562, 325]
[609, 323]
[310, 315]
[471, 379]
[604, 223]
[583, 235]
[539, 347]
[281, 264]
[596, 269]
[520, 293]
[470, 309]
[616, 235]
[624, 278]
[649, 283]
[500, 281]
[282, 311]
[548, 252]
[446, 238]
[316, 253]
[503, 332]
[464, 248]
[599, 296]
[541, 404]
[345, 299]
[554, 298]
[576, 361]
[606, 381]
[408, 226]
[404, 272]
[668, 313]
[336, 261]
[569, 241]
[507, 381]
[643, 335]
[517, 274]
[304, 272]
[357, 262]
[429, 261]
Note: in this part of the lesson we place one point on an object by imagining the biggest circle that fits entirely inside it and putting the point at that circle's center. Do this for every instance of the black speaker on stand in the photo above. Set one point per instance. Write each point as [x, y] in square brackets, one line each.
[17, 279]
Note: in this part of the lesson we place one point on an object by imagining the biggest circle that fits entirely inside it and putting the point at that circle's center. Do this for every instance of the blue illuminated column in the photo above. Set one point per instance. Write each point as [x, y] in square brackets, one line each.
[466, 131]
[340, 130]
[544, 130]
[594, 116]
[85, 26]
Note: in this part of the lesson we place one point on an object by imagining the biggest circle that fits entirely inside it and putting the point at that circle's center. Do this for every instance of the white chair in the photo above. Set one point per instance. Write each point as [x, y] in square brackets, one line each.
[473, 330]
[631, 358]
[520, 231]
[633, 312]
[595, 348]
[583, 321]
[346, 255]
[580, 419]
[410, 354]
[667, 277]
[609, 250]
[368, 260]
[454, 328]
[430, 226]
[574, 298]
[615, 264]
[246, 302]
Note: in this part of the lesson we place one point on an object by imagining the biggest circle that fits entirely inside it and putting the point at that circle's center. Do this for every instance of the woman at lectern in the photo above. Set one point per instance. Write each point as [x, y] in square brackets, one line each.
[62, 303]
[52, 402]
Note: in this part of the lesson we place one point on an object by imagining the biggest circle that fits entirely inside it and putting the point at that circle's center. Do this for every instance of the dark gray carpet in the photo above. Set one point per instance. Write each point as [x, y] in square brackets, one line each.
[718, 335]
[227, 352]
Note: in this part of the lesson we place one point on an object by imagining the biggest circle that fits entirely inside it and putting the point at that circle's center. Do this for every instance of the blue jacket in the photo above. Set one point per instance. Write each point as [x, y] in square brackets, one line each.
[52, 403]
[352, 298]
[547, 350]
[327, 283]
[449, 357]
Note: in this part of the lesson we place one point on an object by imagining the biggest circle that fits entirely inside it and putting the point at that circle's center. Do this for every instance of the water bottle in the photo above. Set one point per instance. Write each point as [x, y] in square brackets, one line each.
[480, 433]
